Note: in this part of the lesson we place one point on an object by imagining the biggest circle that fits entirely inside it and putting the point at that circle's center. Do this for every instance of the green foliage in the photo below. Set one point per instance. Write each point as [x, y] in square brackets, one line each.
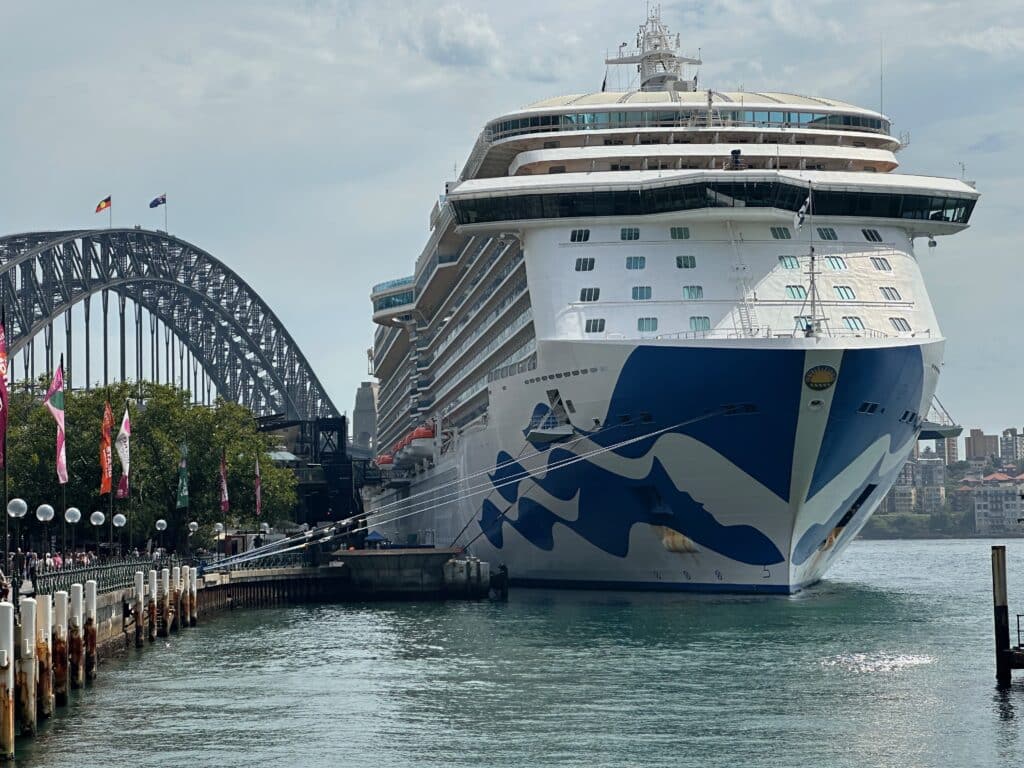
[161, 422]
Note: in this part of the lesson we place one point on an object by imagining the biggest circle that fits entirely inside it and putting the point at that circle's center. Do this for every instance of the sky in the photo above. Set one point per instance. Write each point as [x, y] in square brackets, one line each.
[303, 142]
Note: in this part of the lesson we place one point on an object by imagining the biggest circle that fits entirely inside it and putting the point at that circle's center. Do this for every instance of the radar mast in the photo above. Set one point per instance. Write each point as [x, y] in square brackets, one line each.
[657, 54]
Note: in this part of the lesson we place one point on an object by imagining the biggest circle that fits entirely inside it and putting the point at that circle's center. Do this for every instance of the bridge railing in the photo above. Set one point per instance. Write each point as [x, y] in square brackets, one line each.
[264, 562]
[109, 575]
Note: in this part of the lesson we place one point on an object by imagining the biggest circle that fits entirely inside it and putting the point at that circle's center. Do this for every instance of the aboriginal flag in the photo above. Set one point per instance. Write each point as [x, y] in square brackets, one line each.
[103, 204]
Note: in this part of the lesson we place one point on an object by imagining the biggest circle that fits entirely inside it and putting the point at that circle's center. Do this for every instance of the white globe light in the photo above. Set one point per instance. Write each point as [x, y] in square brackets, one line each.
[193, 526]
[17, 508]
[161, 525]
[218, 527]
[265, 527]
[119, 520]
[72, 515]
[97, 518]
[44, 513]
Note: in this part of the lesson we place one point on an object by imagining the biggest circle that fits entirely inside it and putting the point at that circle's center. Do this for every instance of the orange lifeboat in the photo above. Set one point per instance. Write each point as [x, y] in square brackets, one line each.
[385, 462]
[422, 441]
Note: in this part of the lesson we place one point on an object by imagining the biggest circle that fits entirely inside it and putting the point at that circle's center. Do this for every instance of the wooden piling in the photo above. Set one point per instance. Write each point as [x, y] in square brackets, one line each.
[193, 618]
[140, 608]
[165, 602]
[6, 681]
[44, 655]
[26, 675]
[151, 607]
[60, 649]
[1001, 616]
[175, 597]
[186, 609]
[90, 630]
[76, 639]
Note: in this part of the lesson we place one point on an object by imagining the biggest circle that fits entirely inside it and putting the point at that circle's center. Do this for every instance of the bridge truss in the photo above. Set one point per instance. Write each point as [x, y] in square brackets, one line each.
[217, 331]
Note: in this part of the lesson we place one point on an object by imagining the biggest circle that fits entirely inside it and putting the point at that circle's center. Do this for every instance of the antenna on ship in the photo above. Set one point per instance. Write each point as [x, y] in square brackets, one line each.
[657, 57]
[807, 209]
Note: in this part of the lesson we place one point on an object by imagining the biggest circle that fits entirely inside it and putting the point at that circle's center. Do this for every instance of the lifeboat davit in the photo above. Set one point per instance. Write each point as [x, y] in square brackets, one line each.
[422, 441]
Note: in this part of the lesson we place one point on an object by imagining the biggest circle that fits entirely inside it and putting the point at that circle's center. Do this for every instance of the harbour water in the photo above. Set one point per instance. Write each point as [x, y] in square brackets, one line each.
[888, 662]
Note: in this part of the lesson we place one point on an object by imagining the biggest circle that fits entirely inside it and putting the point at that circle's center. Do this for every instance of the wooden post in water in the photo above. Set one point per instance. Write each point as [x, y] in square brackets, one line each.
[151, 607]
[76, 641]
[44, 655]
[186, 594]
[6, 681]
[60, 649]
[26, 680]
[90, 630]
[193, 618]
[165, 601]
[1001, 616]
[140, 608]
[175, 597]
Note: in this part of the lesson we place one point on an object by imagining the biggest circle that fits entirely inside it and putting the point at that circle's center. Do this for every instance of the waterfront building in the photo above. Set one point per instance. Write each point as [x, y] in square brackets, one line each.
[998, 506]
[1010, 445]
[981, 447]
[948, 450]
[668, 338]
[364, 417]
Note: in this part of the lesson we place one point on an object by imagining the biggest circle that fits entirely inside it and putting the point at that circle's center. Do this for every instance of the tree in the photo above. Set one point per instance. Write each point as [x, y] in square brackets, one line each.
[162, 421]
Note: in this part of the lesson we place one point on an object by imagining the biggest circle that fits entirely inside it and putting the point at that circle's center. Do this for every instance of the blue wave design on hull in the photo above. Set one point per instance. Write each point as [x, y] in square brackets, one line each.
[610, 505]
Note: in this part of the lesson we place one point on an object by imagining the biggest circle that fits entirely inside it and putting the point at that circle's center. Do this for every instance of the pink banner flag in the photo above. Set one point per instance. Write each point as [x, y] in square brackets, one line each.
[121, 442]
[3, 394]
[224, 505]
[54, 402]
[259, 490]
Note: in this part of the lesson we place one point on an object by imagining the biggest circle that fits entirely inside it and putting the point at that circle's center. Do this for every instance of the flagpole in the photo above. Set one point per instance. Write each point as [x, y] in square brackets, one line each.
[7, 459]
[165, 214]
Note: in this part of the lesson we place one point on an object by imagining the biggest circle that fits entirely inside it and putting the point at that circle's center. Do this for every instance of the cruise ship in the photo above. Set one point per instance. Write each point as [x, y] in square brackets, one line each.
[670, 338]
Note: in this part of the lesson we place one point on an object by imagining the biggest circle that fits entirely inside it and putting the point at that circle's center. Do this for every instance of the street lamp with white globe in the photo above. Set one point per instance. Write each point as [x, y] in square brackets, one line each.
[16, 509]
[161, 526]
[71, 516]
[44, 514]
[119, 521]
[97, 519]
[218, 529]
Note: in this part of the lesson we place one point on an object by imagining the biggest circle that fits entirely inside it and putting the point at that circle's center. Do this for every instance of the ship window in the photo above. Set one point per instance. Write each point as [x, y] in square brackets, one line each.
[552, 144]
[900, 324]
[700, 323]
[680, 233]
[844, 292]
[556, 169]
[579, 236]
[881, 264]
[647, 324]
[853, 323]
[629, 233]
[641, 292]
[585, 265]
[801, 322]
[781, 233]
[867, 407]
[827, 233]
[889, 293]
[570, 407]
[636, 262]
[620, 167]
[789, 262]
[873, 235]
[838, 263]
[613, 142]
[796, 292]
[686, 262]
[595, 325]
[693, 292]
[590, 294]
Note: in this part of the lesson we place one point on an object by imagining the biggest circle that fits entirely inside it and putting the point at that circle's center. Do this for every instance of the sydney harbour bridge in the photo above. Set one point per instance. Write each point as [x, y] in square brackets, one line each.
[180, 316]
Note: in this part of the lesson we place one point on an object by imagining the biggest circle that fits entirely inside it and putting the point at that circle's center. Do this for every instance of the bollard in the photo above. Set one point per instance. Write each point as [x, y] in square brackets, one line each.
[140, 607]
[76, 642]
[1001, 617]
[60, 649]
[175, 597]
[193, 618]
[44, 655]
[186, 608]
[6, 681]
[151, 606]
[26, 679]
[165, 602]
[90, 630]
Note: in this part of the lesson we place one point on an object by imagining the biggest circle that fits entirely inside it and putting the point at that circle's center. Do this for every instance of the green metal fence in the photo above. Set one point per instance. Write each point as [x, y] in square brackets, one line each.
[109, 575]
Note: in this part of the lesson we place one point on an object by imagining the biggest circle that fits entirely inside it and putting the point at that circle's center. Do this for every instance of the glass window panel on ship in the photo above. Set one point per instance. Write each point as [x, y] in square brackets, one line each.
[686, 262]
[789, 262]
[585, 265]
[636, 262]
[698, 195]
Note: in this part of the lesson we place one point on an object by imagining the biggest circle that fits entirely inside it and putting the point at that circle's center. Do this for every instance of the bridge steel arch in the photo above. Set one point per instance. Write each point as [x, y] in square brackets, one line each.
[241, 344]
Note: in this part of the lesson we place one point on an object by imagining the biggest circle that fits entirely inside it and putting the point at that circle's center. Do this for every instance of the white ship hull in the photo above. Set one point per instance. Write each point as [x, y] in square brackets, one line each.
[691, 467]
